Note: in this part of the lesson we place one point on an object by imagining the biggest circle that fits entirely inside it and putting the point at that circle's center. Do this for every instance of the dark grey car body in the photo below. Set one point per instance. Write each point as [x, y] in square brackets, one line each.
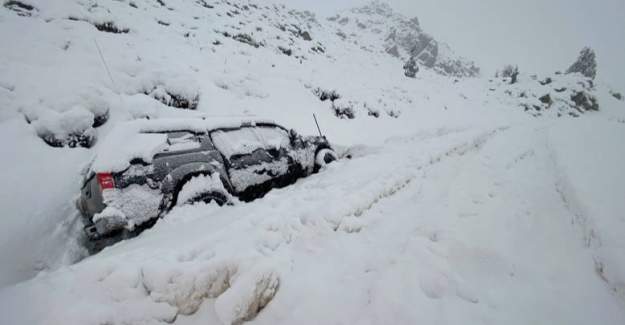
[247, 175]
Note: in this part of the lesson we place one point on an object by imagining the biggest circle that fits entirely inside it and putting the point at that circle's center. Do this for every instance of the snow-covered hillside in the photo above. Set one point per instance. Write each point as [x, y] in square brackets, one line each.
[466, 200]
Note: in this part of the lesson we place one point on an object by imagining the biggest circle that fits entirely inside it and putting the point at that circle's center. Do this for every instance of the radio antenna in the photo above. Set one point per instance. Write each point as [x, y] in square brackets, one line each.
[318, 129]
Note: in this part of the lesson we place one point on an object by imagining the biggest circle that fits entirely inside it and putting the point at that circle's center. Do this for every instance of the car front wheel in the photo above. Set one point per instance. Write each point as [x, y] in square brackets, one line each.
[203, 188]
[325, 157]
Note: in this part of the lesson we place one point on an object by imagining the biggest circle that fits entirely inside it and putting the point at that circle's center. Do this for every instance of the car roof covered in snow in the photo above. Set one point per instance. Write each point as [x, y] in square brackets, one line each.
[142, 139]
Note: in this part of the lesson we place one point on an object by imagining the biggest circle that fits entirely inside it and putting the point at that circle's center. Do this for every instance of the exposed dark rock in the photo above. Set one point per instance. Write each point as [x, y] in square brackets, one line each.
[305, 36]
[546, 99]
[586, 101]
[616, 95]
[586, 64]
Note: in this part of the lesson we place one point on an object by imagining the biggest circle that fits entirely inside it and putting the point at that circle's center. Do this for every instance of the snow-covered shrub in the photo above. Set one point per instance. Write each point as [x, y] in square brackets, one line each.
[285, 51]
[174, 99]
[246, 39]
[510, 71]
[324, 94]
[371, 111]
[103, 26]
[21, 8]
[72, 128]
[586, 64]
[411, 68]
[343, 109]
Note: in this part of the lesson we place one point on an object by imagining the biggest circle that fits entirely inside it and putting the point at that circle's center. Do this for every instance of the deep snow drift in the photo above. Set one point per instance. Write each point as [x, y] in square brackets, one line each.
[467, 200]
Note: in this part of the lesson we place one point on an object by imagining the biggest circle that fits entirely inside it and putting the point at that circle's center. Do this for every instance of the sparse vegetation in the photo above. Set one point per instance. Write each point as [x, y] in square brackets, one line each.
[411, 68]
[21, 8]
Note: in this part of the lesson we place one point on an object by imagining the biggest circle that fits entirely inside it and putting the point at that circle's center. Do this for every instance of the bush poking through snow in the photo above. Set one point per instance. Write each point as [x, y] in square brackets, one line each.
[173, 99]
[411, 68]
[285, 51]
[343, 110]
[616, 95]
[110, 27]
[511, 72]
[21, 8]
[105, 26]
[586, 64]
[324, 94]
[100, 118]
[247, 39]
[68, 129]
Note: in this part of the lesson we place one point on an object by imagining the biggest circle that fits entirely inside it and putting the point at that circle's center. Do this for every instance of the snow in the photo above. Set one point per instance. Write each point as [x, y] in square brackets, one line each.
[456, 207]
[134, 204]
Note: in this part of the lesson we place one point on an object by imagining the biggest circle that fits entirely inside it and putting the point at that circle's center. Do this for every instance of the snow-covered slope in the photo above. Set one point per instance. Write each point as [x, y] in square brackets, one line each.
[457, 206]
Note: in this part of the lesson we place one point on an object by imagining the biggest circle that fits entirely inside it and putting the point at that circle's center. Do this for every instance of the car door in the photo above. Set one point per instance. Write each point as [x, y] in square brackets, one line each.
[256, 156]
[182, 148]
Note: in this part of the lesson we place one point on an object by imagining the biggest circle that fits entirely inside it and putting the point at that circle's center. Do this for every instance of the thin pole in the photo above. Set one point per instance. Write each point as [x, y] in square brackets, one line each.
[318, 129]
[104, 62]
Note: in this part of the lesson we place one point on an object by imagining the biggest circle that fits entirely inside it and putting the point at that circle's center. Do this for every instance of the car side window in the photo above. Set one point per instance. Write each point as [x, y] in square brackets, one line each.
[246, 140]
[181, 141]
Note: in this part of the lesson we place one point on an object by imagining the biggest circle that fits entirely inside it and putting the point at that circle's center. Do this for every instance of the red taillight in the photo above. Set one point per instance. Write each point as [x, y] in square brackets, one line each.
[106, 181]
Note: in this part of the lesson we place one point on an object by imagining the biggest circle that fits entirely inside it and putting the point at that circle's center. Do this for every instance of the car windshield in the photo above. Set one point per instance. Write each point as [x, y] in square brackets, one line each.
[248, 139]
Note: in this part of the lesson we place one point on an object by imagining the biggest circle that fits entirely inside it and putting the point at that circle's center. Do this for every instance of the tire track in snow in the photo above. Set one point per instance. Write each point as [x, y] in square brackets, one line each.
[459, 150]
[580, 219]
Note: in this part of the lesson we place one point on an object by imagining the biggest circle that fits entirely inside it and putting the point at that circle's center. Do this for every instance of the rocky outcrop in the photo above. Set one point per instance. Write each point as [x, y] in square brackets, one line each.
[586, 64]
[400, 37]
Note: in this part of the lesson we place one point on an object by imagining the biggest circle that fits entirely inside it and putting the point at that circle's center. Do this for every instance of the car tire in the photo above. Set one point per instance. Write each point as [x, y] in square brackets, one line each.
[212, 191]
[324, 157]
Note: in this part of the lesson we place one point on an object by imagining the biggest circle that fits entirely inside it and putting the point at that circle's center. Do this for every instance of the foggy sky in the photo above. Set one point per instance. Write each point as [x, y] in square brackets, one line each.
[539, 35]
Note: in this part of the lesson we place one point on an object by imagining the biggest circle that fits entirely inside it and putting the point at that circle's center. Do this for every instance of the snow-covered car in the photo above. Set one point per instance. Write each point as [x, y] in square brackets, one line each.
[144, 168]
